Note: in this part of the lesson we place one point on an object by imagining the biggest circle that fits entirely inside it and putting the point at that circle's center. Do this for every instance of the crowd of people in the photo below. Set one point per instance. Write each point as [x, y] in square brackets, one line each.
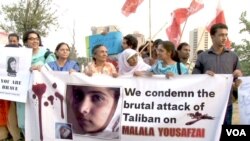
[153, 58]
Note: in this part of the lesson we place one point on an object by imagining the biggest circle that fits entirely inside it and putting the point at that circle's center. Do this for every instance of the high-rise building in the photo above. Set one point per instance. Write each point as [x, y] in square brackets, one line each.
[199, 39]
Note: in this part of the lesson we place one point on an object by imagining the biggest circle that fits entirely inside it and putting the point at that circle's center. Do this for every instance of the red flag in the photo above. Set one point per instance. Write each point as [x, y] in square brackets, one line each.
[195, 6]
[180, 15]
[183, 13]
[174, 32]
[220, 18]
[130, 6]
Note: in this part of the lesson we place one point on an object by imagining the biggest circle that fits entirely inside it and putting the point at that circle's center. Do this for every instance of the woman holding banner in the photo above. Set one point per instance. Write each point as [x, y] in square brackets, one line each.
[100, 64]
[40, 56]
[63, 63]
[165, 65]
[129, 61]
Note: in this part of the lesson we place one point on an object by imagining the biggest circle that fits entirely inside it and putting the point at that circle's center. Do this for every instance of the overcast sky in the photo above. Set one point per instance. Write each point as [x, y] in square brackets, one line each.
[87, 13]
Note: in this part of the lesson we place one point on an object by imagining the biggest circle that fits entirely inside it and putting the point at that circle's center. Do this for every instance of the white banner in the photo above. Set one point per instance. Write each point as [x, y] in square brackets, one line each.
[77, 107]
[244, 100]
[15, 73]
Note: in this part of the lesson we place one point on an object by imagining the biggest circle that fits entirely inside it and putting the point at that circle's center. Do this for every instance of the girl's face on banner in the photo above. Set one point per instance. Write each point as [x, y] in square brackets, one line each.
[93, 107]
[13, 65]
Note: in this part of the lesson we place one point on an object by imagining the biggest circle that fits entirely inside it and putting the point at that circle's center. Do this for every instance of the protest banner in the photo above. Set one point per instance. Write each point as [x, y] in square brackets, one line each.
[15, 66]
[112, 40]
[244, 100]
[183, 108]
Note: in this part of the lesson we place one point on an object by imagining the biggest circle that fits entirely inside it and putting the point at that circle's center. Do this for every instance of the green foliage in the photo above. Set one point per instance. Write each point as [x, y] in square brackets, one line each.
[243, 49]
[25, 15]
[73, 55]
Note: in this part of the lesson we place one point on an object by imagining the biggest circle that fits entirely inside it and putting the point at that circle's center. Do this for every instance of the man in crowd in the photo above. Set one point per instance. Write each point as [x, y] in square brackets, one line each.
[183, 52]
[13, 40]
[219, 60]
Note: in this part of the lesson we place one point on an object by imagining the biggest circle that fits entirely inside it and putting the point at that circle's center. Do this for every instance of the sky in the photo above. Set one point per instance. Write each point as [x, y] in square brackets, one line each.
[82, 15]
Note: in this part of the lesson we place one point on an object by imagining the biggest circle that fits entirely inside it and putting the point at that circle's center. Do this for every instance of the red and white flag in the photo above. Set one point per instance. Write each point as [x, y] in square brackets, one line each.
[219, 18]
[195, 6]
[180, 15]
[183, 13]
[174, 32]
[130, 6]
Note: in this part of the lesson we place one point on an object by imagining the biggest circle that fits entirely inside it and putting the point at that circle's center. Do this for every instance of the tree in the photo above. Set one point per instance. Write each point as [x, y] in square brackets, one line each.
[243, 49]
[28, 15]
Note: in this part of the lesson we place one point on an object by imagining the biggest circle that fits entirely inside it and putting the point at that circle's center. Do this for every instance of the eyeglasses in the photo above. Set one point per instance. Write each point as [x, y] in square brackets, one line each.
[33, 39]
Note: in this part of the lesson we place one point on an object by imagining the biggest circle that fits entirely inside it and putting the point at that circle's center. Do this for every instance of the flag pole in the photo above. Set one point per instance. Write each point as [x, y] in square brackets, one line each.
[149, 21]
[159, 30]
[183, 30]
[154, 36]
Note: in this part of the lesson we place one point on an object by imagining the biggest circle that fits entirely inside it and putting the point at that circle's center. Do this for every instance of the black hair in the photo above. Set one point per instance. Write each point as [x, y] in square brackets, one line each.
[217, 26]
[157, 42]
[181, 45]
[131, 41]
[9, 69]
[26, 36]
[59, 46]
[11, 45]
[169, 47]
[13, 35]
[199, 52]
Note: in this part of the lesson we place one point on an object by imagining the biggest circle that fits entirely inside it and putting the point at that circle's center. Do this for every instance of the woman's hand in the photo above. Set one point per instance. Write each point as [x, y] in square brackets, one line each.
[88, 73]
[211, 73]
[38, 67]
[138, 73]
[71, 71]
[115, 75]
[169, 74]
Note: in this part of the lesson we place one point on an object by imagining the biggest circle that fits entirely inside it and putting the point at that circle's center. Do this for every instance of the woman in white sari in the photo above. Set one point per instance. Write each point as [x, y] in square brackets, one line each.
[129, 61]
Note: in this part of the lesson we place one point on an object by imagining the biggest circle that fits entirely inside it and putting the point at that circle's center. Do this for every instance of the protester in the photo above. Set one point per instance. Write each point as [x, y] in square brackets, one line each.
[129, 41]
[144, 49]
[32, 39]
[11, 126]
[100, 64]
[94, 110]
[219, 60]
[63, 63]
[13, 40]
[183, 51]
[165, 65]
[129, 61]
[199, 52]
[152, 60]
